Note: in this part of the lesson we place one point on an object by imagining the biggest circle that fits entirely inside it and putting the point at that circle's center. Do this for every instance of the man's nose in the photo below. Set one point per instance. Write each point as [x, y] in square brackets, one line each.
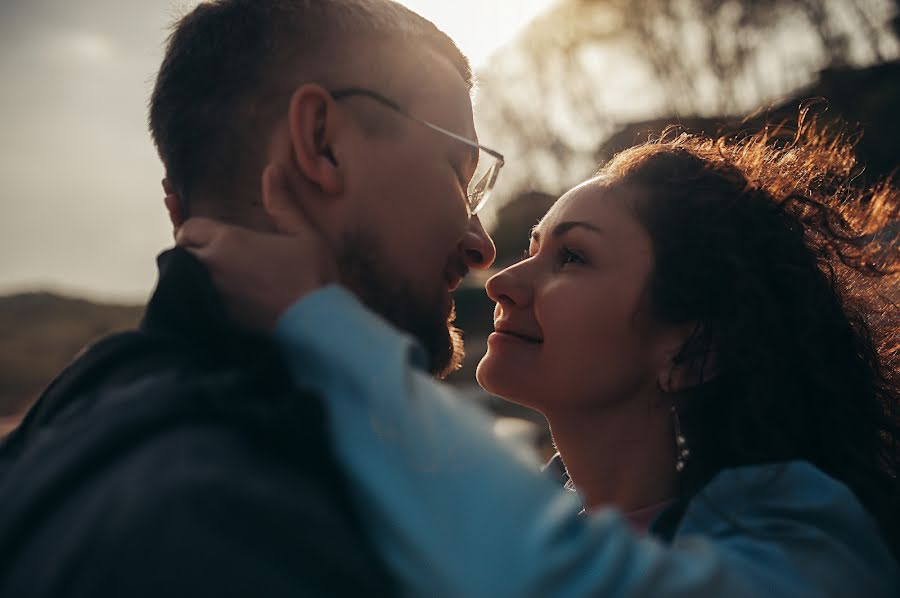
[477, 246]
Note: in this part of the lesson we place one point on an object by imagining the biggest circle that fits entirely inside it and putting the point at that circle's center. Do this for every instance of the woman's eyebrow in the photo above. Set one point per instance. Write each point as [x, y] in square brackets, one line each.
[564, 227]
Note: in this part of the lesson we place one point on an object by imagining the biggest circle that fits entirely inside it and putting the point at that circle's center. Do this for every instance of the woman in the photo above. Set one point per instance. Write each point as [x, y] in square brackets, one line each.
[698, 324]
[696, 305]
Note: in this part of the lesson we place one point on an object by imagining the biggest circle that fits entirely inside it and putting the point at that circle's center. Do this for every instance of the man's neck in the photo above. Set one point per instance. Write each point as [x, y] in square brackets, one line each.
[622, 456]
[246, 212]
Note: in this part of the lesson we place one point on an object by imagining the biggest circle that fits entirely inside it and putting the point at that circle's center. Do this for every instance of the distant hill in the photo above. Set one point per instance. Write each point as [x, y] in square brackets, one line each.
[42, 332]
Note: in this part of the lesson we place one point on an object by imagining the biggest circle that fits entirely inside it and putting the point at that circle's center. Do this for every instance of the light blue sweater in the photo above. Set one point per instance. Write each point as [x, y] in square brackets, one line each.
[454, 512]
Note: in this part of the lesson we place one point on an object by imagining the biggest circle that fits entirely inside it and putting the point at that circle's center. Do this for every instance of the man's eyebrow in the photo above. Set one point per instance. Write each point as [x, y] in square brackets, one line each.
[564, 227]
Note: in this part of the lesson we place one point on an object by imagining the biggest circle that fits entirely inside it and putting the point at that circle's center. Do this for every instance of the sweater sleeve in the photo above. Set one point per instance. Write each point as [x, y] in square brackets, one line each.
[455, 512]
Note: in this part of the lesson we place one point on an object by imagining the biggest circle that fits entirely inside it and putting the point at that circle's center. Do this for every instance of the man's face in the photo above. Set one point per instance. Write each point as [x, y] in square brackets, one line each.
[412, 240]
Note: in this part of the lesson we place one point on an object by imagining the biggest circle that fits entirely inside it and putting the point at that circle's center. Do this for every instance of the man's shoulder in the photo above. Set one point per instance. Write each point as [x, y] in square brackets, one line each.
[203, 483]
[172, 466]
[194, 509]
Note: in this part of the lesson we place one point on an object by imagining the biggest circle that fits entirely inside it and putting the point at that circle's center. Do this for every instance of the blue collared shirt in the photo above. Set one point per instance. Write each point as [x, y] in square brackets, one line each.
[456, 512]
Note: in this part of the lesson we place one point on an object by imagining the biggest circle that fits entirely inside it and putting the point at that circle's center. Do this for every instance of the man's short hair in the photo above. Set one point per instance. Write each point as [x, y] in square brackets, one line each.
[231, 65]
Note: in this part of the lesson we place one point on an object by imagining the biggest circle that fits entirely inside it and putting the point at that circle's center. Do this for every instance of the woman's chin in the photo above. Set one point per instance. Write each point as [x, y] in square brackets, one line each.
[486, 375]
[503, 382]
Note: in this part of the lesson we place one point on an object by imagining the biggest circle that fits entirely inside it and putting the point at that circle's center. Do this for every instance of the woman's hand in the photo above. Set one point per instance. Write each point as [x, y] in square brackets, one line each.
[258, 274]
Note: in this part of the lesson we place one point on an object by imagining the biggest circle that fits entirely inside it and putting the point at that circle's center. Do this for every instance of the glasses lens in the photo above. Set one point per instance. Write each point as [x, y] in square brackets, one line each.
[483, 181]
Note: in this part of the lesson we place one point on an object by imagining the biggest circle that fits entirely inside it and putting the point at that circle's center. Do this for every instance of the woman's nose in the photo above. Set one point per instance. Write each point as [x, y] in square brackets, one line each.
[509, 287]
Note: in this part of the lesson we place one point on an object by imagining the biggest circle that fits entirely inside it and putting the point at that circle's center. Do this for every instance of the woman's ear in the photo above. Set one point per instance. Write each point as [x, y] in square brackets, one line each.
[690, 360]
[314, 125]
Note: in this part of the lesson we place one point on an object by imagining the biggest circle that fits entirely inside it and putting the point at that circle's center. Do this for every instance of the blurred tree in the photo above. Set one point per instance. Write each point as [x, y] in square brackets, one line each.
[683, 38]
[519, 217]
[589, 66]
[896, 21]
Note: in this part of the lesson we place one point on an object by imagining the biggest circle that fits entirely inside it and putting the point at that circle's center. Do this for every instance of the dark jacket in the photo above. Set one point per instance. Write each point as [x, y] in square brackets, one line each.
[178, 460]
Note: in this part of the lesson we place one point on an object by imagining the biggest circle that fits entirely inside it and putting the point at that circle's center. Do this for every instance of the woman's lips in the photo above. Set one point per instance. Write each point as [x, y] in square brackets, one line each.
[505, 331]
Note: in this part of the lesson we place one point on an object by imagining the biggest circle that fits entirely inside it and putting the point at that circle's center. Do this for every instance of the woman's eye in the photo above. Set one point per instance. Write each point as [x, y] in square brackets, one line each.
[569, 256]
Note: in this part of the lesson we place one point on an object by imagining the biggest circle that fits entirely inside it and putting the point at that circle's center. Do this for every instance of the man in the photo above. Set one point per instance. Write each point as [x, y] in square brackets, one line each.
[178, 459]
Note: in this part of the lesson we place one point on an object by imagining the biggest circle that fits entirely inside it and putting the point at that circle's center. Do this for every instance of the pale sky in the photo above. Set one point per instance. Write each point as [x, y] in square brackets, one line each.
[81, 210]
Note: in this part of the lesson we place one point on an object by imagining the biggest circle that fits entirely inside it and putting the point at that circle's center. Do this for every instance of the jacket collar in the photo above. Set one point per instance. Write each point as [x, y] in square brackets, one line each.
[186, 308]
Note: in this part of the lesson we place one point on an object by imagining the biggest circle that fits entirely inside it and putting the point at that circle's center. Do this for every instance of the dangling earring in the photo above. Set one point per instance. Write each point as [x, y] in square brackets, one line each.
[681, 444]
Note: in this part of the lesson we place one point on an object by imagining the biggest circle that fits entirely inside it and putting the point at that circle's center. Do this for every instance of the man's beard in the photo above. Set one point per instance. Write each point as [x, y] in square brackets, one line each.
[364, 270]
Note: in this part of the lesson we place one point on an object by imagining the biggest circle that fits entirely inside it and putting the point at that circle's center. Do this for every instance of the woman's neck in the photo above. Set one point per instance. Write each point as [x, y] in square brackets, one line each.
[621, 456]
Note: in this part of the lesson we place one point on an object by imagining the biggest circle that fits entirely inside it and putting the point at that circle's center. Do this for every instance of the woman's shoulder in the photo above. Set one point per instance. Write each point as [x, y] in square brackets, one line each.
[793, 494]
[791, 514]
[789, 485]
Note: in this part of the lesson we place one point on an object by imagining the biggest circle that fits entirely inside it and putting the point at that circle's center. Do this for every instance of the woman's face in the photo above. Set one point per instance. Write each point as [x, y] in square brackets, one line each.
[572, 324]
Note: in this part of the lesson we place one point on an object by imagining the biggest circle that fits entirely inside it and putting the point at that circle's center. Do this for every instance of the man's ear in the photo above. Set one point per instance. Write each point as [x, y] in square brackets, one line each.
[314, 123]
[173, 206]
[691, 360]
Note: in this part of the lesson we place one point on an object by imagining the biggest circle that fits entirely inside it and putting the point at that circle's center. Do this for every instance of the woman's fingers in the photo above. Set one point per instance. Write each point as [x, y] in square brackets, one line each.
[217, 244]
[198, 232]
[258, 274]
[281, 202]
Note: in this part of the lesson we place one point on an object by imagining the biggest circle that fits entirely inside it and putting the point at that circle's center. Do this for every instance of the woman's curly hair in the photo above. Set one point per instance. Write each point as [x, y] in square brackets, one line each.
[789, 272]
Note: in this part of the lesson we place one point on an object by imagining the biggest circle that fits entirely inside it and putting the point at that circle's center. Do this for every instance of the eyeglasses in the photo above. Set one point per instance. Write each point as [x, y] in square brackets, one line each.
[489, 161]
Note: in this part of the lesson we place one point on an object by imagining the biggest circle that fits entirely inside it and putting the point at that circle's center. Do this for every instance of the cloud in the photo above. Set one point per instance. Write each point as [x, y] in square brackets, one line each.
[87, 46]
